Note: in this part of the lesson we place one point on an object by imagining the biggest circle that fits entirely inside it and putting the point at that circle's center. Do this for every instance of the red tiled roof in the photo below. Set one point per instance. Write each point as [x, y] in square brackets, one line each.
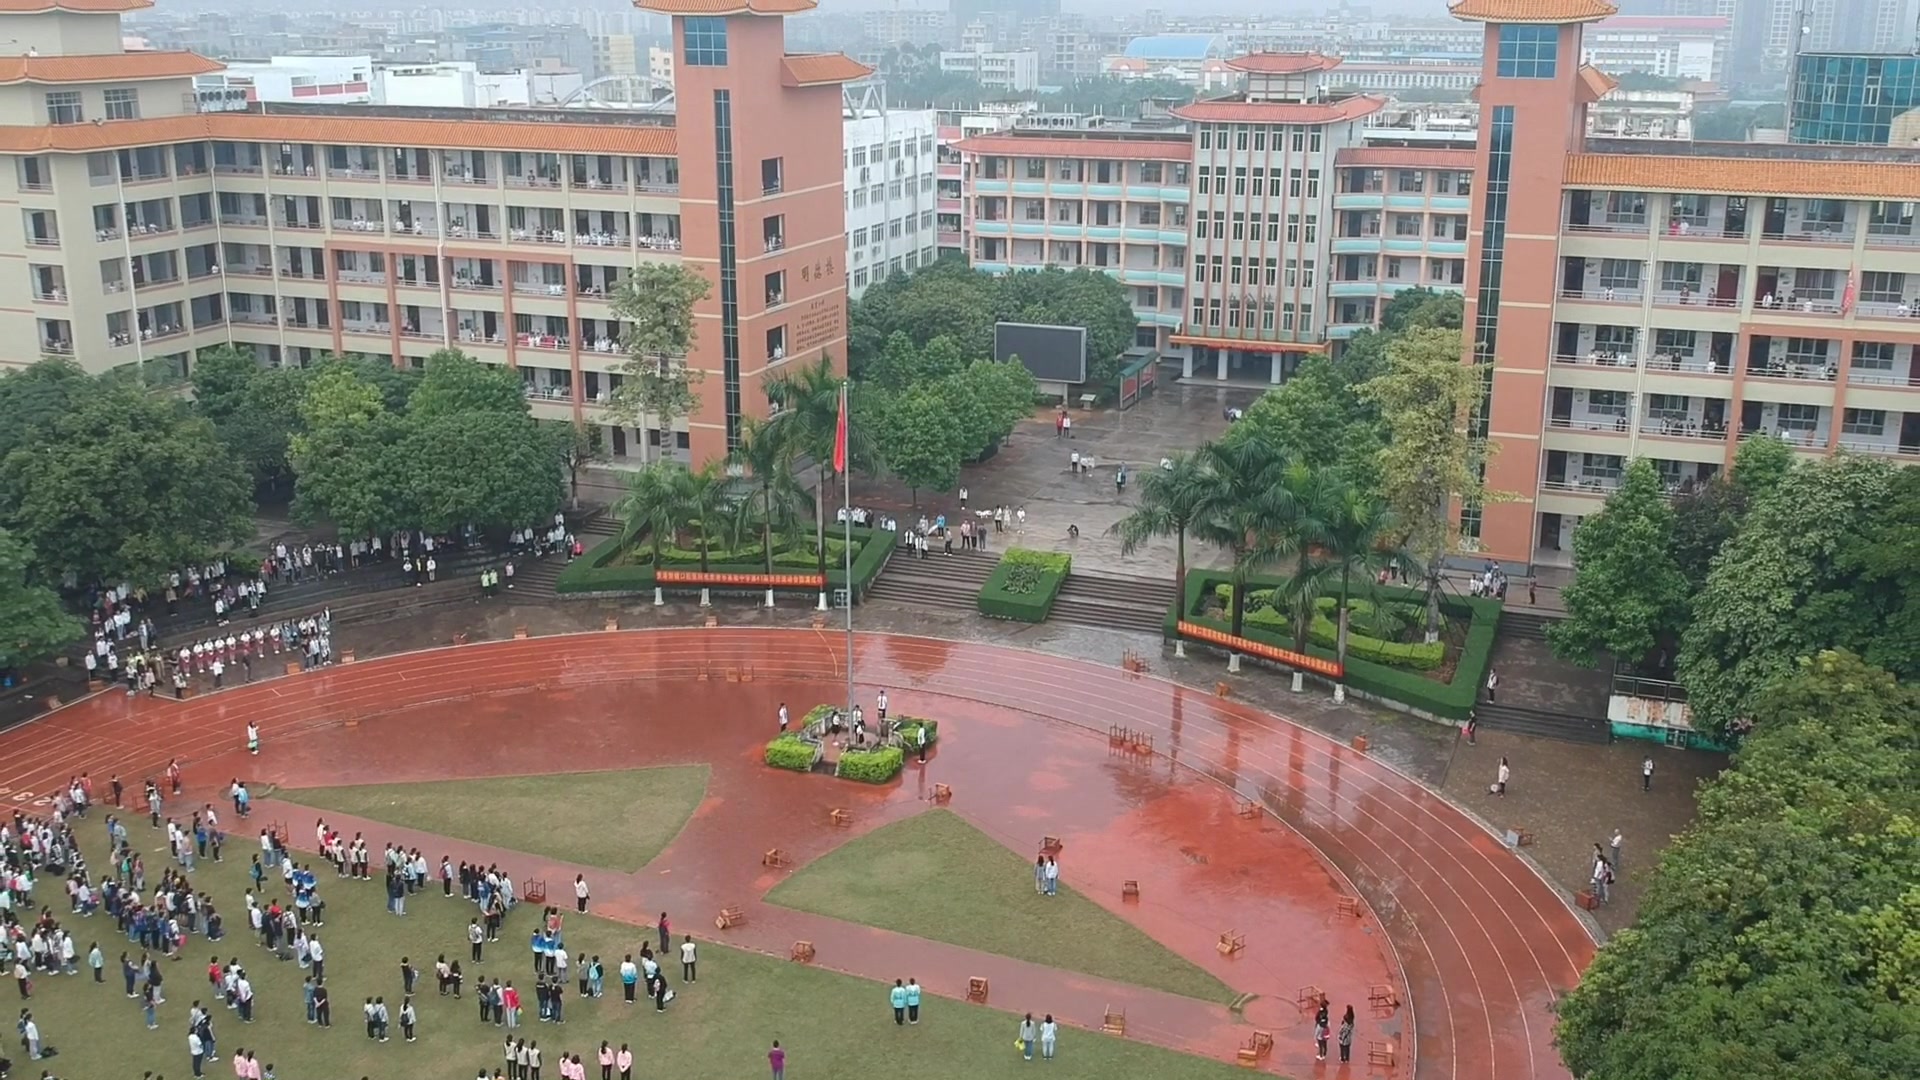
[822, 69]
[1234, 111]
[581, 138]
[116, 67]
[1279, 63]
[1533, 11]
[1095, 149]
[727, 7]
[1406, 157]
[1745, 176]
[83, 7]
[1595, 84]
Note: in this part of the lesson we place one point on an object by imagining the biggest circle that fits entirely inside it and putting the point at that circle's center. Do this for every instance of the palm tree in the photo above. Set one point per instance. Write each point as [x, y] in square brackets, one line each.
[1363, 537]
[1307, 497]
[1240, 509]
[652, 506]
[775, 502]
[705, 498]
[1169, 502]
[808, 400]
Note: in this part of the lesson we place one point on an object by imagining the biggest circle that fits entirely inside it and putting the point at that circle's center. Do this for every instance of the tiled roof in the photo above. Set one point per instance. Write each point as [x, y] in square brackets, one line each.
[1277, 63]
[118, 67]
[1232, 111]
[1094, 149]
[85, 7]
[727, 7]
[1406, 157]
[822, 69]
[1595, 84]
[581, 138]
[1746, 176]
[1533, 11]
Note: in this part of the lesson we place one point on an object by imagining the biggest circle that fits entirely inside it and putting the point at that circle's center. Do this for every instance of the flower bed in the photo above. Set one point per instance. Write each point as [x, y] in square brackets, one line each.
[1024, 585]
[606, 568]
[1416, 691]
[1361, 643]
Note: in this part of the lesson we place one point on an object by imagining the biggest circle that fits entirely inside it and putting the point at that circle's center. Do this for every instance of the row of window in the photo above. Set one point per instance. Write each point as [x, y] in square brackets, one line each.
[893, 151]
[1300, 139]
[1407, 181]
[1240, 271]
[879, 193]
[1213, 181]
[65, 106]
[895, 229]
[1214, 223]
[1240, 316]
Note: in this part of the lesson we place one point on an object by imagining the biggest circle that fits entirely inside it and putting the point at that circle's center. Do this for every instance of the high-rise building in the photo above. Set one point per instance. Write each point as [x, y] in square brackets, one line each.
[150, 227]
[1853, 97]
[891, 166]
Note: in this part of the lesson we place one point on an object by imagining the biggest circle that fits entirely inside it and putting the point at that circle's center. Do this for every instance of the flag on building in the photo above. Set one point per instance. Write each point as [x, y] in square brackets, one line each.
[1853, 291]
[840, 435]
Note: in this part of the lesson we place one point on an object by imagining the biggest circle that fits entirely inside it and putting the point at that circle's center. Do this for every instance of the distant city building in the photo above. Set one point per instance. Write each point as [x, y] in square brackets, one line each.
[1854, 98]
[1196, 59]
[891, 167]
[357, 80]
[997, 72]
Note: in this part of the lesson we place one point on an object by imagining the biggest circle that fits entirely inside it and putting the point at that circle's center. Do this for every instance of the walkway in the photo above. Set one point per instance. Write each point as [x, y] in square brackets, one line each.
[1485, 943]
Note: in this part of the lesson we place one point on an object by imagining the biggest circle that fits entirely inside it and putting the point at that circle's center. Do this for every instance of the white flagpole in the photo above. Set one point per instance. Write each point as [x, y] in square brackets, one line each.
[846, 475]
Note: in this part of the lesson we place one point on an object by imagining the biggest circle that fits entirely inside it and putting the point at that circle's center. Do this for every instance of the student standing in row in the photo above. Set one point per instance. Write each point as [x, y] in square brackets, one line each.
[897, 997]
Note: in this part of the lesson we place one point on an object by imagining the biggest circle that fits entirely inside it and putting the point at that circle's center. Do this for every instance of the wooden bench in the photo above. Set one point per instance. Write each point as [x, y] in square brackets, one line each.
[1309, 998]
[840, 818]
[977, 989]
[1231, 942]
[942, 793]
[774, 857]
[519, 633]
[712, 620]
[458, 639]
[801, 953]
[534, 892]
[1247, 808]
[1360, 743]
[729, 918]
[1520, 838]
[613, 623]
[293, 666]
[1221, 689]
[1114, 1021]
[1348, 907]
[346, 656]
[1383, 997]
[1261, 1042]
[1380, 1055]
[819, 621]
[1246, 1058]
[1129, 890]
[1050, 845]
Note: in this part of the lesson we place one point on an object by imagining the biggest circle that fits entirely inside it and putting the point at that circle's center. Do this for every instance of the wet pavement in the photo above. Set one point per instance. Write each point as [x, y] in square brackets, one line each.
[1479, 941]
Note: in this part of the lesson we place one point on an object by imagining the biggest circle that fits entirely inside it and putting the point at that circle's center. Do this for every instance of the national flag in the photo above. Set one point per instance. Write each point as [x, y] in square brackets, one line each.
[840, 435]
[1853, 291]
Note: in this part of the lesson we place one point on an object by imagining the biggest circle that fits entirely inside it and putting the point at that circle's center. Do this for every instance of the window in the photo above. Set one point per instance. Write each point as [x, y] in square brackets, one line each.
[1528, 51]
[1240, 137]
[63, 107]
[1150, 172]
[1239, 181]
[1206, 137]
[123, 104]
[1313, 183]
[1807, 351]
[1601, 466]
[1412, 181]
[1864, 422]
[1801, 418]
[706, 41]
[1873, 355]
[1608, 402]
[1669, 407]
[858, 155]
[1882, 286]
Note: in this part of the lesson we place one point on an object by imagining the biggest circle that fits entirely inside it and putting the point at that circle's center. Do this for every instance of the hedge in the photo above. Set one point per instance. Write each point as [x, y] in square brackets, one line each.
[591, 573]
[1450, 701]
[909, 730]
[1024, 585]
[1324, 632]
[790, 751]
[871, 766]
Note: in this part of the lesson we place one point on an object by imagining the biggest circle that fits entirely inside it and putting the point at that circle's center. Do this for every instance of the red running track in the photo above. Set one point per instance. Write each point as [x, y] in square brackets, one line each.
[1480, 942]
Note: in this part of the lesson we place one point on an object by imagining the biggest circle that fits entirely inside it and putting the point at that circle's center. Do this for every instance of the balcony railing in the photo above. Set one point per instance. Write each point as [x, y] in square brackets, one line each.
[461, 284]
[156, 282]
[1684, 429]
[360, 225]
[409, 178]
[354, 172]
[460, 175]
[43, 241]
[243, 219]
[1858, 376]
[1813, 234]
[602, 239]
[254, 318]
[371, 329]
[1583, 485]
[1691, 298]
[540, 288]
[657, 187]
[314, 225]
[554, 342]
[660, 243]
[1887, 309]
[1892, 236]
[416, 283]
[50, 296]
[1874, 446]
[1800, 370]
[57, 348]
[533, 181]
[461, 232]
[416, 228]
[1796, 437]
[1606, 424]
[363, 277]
[36, 185]
[1798, 305]
[1604, 295]
[1639, 226]
[422, 335]
[536, 236]
[1689, 364]
[1601, 358]
[236, 170]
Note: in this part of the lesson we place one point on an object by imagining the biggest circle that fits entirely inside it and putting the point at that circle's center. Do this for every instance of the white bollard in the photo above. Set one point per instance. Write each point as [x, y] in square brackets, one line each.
[704, 600]
[1299, 681]
[1339, 693]
[769, 597]
[1179, 649]
[1233, 663]
[659, 599]
[823, 600]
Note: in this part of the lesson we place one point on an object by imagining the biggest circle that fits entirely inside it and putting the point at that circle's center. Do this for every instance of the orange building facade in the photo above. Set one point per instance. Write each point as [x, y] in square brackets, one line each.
[146, 226]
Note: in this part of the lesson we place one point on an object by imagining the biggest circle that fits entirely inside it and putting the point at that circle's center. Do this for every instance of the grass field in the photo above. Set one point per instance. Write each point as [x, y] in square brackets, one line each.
[935, 876]
[613, 820]
[834, 1026]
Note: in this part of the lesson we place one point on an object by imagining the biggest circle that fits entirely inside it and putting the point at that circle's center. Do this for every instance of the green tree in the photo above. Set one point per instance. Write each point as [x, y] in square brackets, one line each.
[1776, 937]
[1240, 510]
[1423, 309]
[343, 464]
[1883, 559]
[651, 507]
[1628, 596]
[1319, 418]
[1309, 501]
[1080, 297]
[456, 383]
[808, 400]
[255, 410]
[1783, 589]
[903, 365]
[1704, 519]
[1168, 504]
[221, 378]
[655, 304]
[1761, 465]
[33, 625]
[706, 501]
[773, 508]
[126, 486]
[1428, 462]
[924, 441]
[579, 446]
[489, 469]
[1362, 539]
[35, 397]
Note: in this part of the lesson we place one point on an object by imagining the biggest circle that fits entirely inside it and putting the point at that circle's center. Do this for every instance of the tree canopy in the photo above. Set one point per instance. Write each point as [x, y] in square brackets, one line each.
[1628, 595]
[654, 303]
[33, 624]
[1779, 937]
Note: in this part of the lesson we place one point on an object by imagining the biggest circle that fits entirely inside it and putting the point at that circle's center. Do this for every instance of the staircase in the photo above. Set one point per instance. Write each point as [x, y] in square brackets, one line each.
[1525, 624]
[1115, 602]
[1542, 724]
[536, 577]
[950, 582]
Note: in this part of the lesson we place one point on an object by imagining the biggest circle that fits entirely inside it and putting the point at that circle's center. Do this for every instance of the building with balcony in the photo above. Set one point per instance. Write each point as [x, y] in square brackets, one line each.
[1016, 72]
[892, 160]
[1662, 299]
[150, 229]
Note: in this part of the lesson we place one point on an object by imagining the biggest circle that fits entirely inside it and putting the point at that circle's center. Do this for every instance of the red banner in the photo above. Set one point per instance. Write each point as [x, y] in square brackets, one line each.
[748, 581]
[1332, 669]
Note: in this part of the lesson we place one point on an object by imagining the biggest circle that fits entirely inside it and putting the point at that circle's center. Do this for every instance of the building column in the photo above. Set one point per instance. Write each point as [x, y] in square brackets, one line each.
[1222, 375]
[1274, 378]
[1186, 362]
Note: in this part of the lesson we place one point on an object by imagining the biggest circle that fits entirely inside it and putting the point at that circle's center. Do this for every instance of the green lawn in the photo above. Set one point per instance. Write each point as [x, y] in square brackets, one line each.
[613, 820]
[718, 1029]
[937, 877]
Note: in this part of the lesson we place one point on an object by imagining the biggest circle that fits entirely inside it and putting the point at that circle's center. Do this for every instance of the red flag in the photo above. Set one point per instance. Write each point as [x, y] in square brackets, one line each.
[840, 435]
[1853, 291]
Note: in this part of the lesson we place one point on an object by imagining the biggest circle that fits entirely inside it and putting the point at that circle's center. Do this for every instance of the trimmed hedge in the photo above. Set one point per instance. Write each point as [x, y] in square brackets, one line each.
[1449, 701]
[790, 751]
[909, 730]
[871, 766]
[1324, 632]
[1024, 585]
[591, 573]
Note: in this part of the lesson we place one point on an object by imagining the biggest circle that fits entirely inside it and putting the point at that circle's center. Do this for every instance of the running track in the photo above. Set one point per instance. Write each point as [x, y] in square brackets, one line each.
[1484, 944]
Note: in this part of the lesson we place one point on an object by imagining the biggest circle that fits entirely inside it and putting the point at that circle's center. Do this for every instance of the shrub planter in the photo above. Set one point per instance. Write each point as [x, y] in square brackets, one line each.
[790, 751]
[599, 573]
[1024, 586]
[871, 766]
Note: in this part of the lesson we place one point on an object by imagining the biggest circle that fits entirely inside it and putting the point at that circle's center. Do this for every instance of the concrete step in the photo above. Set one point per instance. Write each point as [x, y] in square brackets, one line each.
[1522, 624]
[1109, 617]
[1542, 724]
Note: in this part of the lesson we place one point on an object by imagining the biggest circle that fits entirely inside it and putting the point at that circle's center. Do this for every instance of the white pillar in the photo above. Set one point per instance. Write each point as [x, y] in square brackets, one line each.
[1339, 693]
[823, 599]
[769, 597]
[1299, 681]
[658, 599]
[704, 600]
[1222, 376]
[1186, 363]
[1274, 378]
[1233, 663]
[1179, 648]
